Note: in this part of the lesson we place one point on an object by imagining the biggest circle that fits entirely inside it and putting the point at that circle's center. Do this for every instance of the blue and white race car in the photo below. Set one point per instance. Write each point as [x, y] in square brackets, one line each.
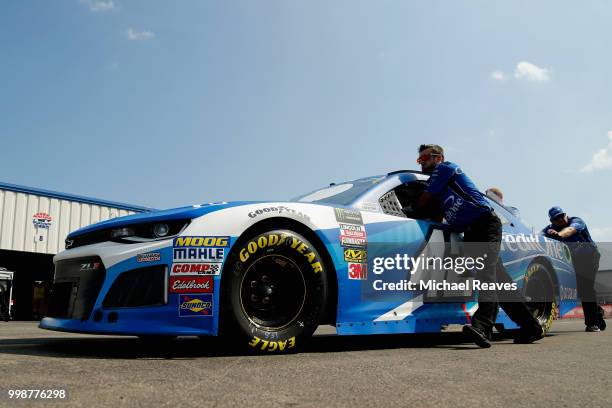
[266, 274]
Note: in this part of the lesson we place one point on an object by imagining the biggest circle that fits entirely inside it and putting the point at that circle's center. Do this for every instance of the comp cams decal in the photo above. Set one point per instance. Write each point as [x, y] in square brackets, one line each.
[192, 268]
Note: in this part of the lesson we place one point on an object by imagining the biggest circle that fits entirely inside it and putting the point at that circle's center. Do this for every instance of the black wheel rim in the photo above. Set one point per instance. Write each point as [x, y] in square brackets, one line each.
[539, 288]
[272, 292]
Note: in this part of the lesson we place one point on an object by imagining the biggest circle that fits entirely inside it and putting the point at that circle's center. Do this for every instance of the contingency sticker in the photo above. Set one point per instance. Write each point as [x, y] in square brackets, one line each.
[195, 305]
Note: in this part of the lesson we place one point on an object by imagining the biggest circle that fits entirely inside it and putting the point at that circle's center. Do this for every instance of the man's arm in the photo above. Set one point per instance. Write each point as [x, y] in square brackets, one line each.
[576, 225]
[566, 232]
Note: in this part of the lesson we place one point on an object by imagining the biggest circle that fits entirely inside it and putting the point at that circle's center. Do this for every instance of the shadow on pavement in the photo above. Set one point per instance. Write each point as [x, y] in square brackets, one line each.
[192, 347]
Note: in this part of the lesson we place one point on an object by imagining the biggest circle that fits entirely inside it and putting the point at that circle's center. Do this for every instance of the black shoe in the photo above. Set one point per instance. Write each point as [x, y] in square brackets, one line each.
[477, 336]
[592, 329]
[602, 325]
[529, 336]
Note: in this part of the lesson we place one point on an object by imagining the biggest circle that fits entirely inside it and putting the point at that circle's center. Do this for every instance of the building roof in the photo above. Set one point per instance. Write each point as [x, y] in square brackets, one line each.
[72, 197]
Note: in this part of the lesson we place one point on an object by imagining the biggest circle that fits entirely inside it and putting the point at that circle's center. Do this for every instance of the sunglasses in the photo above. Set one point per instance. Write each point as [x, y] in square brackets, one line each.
[559, 217]
[425, 157]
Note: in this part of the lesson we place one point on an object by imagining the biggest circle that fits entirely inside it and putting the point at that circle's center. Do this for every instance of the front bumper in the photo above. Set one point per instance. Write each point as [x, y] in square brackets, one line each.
[127, 294]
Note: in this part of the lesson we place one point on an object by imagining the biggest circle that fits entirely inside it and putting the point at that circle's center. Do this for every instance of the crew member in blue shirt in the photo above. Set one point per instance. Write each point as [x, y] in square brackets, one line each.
[465, 209]
[585, 257]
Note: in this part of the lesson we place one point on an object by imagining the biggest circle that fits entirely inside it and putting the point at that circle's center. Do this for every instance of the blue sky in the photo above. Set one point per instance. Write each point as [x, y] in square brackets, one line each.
[171, 103]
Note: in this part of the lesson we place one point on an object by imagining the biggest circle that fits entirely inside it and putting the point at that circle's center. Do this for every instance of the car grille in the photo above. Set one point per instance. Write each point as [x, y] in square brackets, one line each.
[138, 287]
[76, 285]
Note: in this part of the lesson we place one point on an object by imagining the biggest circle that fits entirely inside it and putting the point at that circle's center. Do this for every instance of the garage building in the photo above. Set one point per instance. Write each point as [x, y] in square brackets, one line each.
[34, 224]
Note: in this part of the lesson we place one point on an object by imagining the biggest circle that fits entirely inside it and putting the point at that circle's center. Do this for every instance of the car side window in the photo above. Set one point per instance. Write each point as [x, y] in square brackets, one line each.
[401, 201]
[501, 212]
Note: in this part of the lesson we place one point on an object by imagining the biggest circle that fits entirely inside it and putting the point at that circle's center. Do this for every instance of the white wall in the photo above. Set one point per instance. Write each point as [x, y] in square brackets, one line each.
[17, 229]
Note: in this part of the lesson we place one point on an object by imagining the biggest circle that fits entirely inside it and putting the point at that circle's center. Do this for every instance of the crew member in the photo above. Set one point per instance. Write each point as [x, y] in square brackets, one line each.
[585, 257]
[495, 194]
[465, 209]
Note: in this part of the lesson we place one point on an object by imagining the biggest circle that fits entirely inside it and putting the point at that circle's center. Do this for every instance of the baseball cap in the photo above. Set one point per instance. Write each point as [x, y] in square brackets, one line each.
[555, 212]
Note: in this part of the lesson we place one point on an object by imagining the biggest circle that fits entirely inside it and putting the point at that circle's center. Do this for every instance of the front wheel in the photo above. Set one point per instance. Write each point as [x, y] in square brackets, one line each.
[274, 292]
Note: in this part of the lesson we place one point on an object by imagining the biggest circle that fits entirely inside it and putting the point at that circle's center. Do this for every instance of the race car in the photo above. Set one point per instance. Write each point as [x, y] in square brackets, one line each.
[265, 275]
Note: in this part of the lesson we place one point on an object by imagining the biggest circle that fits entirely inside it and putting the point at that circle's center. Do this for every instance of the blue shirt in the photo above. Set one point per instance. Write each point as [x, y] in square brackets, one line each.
[582, 234]
[460, 200]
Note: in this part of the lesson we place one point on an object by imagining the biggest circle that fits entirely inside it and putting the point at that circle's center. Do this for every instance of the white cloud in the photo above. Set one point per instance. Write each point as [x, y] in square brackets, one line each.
[134, 35]
[527, 70]
[602, 159]
[96, 6]
[498, 75]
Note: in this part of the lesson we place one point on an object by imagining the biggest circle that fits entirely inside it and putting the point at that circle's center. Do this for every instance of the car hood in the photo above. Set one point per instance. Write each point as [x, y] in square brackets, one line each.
[181, 213]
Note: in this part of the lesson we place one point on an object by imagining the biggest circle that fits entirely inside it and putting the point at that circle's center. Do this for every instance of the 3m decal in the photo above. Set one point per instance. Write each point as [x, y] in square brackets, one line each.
[192, 268]
[265, 345]
[272, 240]
[201, 242]
[190, 284]
[148, 257]
[348, 216]
[355, 255]
[358, 271]
[195, 305]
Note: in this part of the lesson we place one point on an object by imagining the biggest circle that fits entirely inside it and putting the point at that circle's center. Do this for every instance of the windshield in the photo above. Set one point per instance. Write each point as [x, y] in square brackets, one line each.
[340, 194]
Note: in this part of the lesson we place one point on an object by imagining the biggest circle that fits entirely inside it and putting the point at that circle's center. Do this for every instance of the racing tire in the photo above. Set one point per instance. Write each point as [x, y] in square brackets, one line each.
[274, 292]
[540, 287]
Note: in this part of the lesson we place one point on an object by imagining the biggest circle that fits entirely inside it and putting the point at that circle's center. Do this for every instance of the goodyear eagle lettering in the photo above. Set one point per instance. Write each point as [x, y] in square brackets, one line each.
[265, 345]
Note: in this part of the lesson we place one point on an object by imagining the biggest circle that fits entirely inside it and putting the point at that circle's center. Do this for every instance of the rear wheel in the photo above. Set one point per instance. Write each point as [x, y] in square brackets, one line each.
[274, 292]
[541, 293]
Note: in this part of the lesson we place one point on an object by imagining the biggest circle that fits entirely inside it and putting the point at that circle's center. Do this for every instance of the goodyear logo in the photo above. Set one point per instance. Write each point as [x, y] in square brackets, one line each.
[195, 305]
[355, 255]
[201, 242]
[273, 240]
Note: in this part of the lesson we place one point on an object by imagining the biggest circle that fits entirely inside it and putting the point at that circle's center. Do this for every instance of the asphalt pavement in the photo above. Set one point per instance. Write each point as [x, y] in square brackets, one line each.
[568, 368]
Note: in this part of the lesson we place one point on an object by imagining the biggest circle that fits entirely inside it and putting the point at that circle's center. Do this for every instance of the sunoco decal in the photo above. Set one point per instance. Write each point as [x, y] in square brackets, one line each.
[195, 305]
